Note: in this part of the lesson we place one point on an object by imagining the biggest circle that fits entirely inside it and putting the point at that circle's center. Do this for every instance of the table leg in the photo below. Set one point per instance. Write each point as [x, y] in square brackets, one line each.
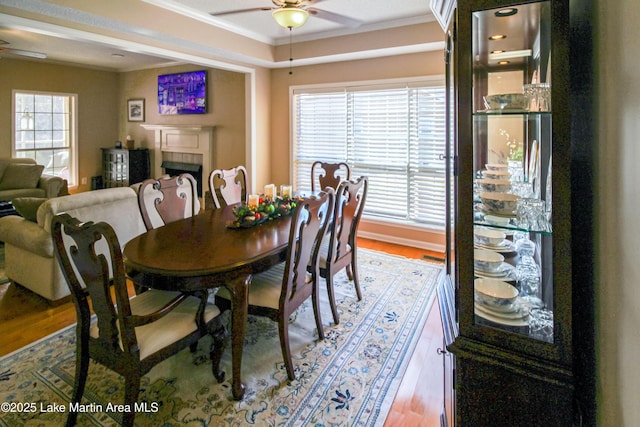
[239, 290]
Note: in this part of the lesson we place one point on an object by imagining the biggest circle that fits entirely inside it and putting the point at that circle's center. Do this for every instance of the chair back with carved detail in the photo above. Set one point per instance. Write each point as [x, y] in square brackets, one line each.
[339, 249]
[168, 199]
[278, 292]
[228, 186]
[129, 336]
[325, 174]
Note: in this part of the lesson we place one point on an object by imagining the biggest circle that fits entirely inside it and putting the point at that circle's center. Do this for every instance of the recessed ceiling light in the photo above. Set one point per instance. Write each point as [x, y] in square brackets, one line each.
[493, 52]
[497, 37]
[506, 12]
[503, 62]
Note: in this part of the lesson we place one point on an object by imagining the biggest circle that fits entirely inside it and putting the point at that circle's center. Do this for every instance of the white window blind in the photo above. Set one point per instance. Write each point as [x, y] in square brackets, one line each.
[393, 134]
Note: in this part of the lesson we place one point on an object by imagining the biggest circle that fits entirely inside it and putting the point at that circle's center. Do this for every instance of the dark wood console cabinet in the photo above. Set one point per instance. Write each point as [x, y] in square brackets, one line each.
[122, 167]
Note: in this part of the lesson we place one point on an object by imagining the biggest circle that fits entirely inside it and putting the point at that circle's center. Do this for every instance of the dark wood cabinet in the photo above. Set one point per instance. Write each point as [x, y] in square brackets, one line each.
[520, 168]
[122, 167]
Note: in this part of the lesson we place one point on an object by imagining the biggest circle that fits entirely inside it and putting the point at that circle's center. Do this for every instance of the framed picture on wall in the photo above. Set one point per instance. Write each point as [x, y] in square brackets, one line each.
[135, 110]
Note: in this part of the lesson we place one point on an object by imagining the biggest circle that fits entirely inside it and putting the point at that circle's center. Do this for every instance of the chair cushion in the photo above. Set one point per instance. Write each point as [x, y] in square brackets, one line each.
[265, 288]
[21, 176]
[179, 323]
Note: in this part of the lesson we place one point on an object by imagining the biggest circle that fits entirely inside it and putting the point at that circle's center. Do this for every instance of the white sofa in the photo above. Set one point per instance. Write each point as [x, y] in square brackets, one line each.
[29, 257]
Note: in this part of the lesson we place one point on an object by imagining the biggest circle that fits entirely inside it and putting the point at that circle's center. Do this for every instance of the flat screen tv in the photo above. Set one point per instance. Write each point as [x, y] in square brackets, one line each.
[183, 93]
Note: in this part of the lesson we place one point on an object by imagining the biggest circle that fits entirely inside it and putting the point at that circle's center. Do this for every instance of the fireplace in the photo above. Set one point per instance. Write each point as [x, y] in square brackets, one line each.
[184, 148]
[176, 168]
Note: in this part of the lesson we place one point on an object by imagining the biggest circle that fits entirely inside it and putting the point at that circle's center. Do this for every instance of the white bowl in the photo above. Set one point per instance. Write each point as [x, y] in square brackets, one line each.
[490, 184]
[506, 101]
[496, 166]
[486, 260]
[488, 236]
[494, 293]
[500, 203]
[496, 174]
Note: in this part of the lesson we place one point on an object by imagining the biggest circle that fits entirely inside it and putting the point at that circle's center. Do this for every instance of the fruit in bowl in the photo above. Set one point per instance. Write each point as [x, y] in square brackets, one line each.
[488, 236]
[490, 184]
[506, 101]
[494, 293]
[499, 203]
[486, 260]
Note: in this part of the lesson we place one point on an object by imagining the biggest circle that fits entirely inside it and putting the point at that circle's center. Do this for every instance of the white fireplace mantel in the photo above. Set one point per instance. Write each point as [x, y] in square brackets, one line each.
[185, 139]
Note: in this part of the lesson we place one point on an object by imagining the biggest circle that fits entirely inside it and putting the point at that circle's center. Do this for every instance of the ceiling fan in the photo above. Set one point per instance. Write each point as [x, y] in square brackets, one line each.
[21, 52]
[4, 47]
[293, 14]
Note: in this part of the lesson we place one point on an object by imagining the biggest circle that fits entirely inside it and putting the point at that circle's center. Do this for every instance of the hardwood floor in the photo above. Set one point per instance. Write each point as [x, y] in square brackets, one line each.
[25, 317]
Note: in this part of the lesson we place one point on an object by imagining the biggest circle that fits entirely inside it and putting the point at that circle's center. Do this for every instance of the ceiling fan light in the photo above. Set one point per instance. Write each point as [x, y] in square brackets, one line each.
[290, 17]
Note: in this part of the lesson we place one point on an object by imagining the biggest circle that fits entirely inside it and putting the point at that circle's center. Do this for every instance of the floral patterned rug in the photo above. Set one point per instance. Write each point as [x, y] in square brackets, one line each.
[348, 379]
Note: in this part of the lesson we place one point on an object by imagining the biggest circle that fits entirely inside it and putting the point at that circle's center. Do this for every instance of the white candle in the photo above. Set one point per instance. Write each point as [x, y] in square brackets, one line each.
[253, 202]
[270, 191]
[286, 191]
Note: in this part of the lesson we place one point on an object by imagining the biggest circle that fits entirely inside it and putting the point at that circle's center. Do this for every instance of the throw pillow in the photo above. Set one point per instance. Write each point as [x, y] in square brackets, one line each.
[27, 207]
[21, 176]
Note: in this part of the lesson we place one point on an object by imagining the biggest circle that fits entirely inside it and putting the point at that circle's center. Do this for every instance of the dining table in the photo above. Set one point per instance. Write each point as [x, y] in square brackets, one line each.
[206, 252]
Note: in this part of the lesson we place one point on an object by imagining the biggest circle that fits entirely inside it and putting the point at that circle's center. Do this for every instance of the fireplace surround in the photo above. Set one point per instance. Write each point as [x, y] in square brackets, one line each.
[185, 146]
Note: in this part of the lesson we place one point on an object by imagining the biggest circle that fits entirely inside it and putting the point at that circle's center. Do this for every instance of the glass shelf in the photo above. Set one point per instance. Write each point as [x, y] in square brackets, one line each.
[511, 113]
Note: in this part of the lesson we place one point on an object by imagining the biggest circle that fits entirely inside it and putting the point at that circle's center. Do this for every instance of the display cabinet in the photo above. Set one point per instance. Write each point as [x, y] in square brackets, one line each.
[512, 295]
[122, 167]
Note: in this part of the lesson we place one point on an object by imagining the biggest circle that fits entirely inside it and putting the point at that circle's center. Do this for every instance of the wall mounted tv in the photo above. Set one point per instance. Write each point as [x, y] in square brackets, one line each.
[183, 93]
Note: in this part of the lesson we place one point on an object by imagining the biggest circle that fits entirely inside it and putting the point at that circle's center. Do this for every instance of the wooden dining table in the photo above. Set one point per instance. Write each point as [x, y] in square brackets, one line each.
[203, 252]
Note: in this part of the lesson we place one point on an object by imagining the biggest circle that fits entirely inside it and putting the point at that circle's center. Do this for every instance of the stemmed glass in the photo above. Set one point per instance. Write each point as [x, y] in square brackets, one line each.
[528, 273]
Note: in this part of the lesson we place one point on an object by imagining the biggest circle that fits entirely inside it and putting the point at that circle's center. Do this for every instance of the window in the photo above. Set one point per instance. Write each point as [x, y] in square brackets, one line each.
[44, 130]
[392, 133]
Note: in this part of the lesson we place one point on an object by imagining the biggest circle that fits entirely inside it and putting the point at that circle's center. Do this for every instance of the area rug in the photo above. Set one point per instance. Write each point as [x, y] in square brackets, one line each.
[348, 379]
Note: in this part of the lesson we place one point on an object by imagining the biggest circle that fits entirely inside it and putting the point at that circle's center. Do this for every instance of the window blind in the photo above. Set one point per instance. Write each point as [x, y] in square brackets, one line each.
[393, 134]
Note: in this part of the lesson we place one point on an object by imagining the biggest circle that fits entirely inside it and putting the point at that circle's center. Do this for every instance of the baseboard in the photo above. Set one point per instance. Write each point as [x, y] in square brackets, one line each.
[421, 244]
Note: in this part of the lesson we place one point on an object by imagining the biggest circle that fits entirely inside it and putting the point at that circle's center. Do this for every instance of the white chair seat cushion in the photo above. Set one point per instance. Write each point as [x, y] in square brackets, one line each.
[265, 288]
[179, 323]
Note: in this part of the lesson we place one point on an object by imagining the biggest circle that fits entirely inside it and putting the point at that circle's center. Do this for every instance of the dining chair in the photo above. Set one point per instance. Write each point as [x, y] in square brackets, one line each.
[129, 336]
[168, 199]
[339, 248]
[279, 291]
[228, 186]
[325, 174]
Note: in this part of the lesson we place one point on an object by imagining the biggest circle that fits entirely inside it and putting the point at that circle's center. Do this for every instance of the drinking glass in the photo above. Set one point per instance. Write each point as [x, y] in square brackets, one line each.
[531, 214]
[541, 324]
[528, 273]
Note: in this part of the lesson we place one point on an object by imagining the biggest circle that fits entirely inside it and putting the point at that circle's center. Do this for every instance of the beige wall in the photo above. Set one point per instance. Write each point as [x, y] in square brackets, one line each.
[225, 110]
[405, 66]
[617, 208]
[98, 106]
[102, 115]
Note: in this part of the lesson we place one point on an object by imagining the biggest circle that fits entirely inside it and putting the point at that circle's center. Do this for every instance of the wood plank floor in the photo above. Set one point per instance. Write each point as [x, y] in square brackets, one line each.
[25, 317]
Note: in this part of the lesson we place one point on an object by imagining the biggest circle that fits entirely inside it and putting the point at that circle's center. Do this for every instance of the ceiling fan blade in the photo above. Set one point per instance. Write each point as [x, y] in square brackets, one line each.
[21, 52]
[334, 17]
[231, 12]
